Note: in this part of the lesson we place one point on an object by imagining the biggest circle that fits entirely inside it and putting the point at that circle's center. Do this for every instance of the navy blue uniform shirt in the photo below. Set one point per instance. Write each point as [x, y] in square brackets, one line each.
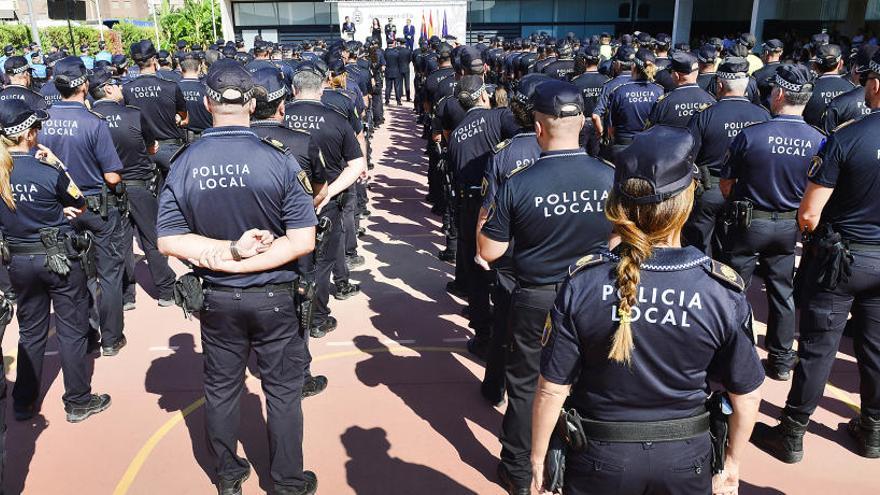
[561, 69]
[687, 326]
[590, 84]
[439, 83]
[825, 88]
[160, 100]
[630, 105]
[131, 138]
[848, 106]
[602, 103]
[515, 153]
[258, 184]
[448, 114]
[41, 192]
[678, 106]
[82, 141]
[300, 144]
[850, 163]
[392, 63]
[471, 143]
[33, 99]
[169, 75]
[769, 161]
[404, 58]
[343, 102]
[360, 77]
[50, 93]
[554, 211]
[194, 93]
[331, 132]
[763, 76]
[715, 127]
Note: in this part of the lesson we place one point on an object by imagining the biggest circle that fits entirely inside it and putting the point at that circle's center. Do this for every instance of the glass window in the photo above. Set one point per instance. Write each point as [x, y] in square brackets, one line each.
[536, 10]
[603, 11]
[325, 13]
[475, 11]
[291, 13]
[256, 14]
[571, 10]
[501, 11]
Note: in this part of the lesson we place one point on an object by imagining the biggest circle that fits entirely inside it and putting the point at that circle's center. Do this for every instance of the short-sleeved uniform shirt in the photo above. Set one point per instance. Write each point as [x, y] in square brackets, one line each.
[331, 132]
[194, 93]
[448, 114]
[630, 106]
[515, 153]
[41, 192]
[848, 106]
[849, 162]
[561, 69]
[343, 103]
[439, 83]
[590, 84]
[130, 136]
[715, 127]
[825, 88]
[472, 141]
[602, 103]
[687, 327]
[160, 100]
[763, 76]
[554, 211]
[33, 99]
[300, 144]
[262, 186]
[769, 161]
[82, 141]
[169, 74]
[676, 107]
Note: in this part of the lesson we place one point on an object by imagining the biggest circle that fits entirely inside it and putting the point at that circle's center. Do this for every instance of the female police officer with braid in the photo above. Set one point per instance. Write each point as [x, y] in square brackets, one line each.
[38, 198]
[639, 330]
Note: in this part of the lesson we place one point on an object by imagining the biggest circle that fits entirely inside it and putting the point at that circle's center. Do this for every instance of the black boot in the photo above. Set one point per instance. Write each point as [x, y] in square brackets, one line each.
[784, 441]
[233, 487]
[867, 432]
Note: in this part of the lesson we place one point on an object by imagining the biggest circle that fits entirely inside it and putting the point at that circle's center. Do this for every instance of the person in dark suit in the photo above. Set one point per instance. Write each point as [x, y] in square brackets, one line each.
[404, 59]
[392, 71]
[409, 35]
[390, 32]
[348, 29]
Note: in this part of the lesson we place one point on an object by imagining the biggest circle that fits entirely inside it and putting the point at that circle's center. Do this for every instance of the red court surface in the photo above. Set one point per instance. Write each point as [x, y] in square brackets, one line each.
[402, 415]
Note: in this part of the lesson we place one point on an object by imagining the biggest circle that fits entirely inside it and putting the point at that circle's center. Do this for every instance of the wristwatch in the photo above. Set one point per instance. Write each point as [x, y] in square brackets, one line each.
[233, 250]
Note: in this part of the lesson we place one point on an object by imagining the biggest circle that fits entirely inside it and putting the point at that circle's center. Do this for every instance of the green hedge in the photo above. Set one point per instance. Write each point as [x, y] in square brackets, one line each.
[127, 33]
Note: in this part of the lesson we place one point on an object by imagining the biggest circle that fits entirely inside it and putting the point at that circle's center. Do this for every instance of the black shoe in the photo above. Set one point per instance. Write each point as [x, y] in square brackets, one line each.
[233, 487]
[491, 394]
[344, 290]
[447, 256]
[866, 431]
[318, 331]
[361, 231]
[310, 487]
[777, 371]
[784, 441]
[112, 350]
[364, 214]
[93, 343]
[314, 385]
[24, 413]
[508, 484]
[352, 262]
[97, 403]
[456, 290]
[479, 348]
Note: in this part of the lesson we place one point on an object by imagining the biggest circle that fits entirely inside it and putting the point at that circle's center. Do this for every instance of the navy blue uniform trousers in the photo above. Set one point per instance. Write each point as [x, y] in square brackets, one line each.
[702, 228]
[143, 208]
[233, 324]
[467, 273]
[330, 252]
[37, 289]
[502, 290]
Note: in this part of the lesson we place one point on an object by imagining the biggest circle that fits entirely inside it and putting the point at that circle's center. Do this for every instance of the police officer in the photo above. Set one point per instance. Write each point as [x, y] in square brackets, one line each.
[706, 57]
[590, 82]
[167, 67]
[552, 211]
[772, 52]
[344, 162]
[392, 72]
[828, 85]
[764, 177]
[470, 147]
[621, 68]
[630, 104]
[249, 282]
[82, 141]
[134, 143]
[87, 59]
[840, 274]
[160, 100]
[676, 107]
[851, 105]
[103, 53]
[193, 90]
[390, 32]
[39, 71]
[19, 87]
[637, 367]
[508, 156]
[563, 66]
[714, 128]
[404, 60]
[39, 197]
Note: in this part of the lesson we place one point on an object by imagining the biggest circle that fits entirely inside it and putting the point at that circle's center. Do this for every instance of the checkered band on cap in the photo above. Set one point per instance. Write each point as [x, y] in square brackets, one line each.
[790, 86]
[18, 70]
[874, 66]
[276, 94]
[217, 96]
[73, 83]
[18, 129]
[732, 75]
[472, 95]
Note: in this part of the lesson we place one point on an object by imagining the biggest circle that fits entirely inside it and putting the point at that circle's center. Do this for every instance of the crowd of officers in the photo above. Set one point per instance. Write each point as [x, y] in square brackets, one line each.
[606, 203]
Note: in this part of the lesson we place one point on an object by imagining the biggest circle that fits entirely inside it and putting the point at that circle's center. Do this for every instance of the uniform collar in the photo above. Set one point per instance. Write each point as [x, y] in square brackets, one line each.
[105, 100]
[68, 104]
[830, 75]
[733, 98]
[688, 85]
[232, 130]
[265, 123]
[668, 259]
[791, 118]
[561, 153]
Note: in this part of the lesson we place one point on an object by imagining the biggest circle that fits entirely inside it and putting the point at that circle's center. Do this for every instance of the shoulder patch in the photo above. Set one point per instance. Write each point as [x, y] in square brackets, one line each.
[518, 170]
[818, 129]
[606, 162]
[585, 262]
[96, 114]
[56, 166]
[278, 145]
[133, 107]
[841, 126]
[178, 153]
[726, 275]
[303, 179]
[662, 97]
[500, 146]
[301, 131]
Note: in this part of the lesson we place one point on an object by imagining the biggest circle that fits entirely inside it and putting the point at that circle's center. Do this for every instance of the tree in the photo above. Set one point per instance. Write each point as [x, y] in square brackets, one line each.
[191, 22]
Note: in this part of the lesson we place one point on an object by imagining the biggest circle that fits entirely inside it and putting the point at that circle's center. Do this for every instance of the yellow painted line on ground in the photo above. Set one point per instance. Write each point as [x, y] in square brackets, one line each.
[844, 397]
[144, 453]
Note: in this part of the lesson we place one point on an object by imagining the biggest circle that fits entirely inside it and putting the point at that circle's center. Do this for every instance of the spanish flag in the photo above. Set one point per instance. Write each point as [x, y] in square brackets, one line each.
[424, 27]
[430, 24]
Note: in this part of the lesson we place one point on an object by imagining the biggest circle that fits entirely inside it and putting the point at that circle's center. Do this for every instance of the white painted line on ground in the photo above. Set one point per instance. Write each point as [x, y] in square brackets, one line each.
[386, 342]
[51, 353]
[164, 348]
[456, 339]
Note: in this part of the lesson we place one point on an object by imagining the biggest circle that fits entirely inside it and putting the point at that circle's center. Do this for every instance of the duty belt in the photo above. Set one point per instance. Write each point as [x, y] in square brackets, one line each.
[268, 288]
[654, 431]
[29, 248]
[93, 202]
[471, 192]
[138, 183]
[774, 215]
[554, 287]
[858, 246]
[171, 141]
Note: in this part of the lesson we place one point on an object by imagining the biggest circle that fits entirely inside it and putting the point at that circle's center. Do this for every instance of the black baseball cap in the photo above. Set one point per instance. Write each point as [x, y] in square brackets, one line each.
[119, 61]
[683, 62]
[228, 82]
[748, 40]
[313, 67]
[862, 57]
[470, 58]
[793, 77]
[271, 80]
[142, 50]
[16, 116]
[591, 54]
[100, 77]
[470, 88]
[820, 39]
[663, 40]
[827, 55]
[557, 99]
[706, 54]
[773, 45]
[181, 44]
[526, 88]
[669, 173]
[70, 72]
[733, 68]
[625, 53]
[8, 50]
[644, 57]
[15, 65]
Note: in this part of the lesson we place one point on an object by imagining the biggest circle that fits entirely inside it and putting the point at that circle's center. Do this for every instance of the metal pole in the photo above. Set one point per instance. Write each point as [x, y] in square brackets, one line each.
[100, 21]
[35, 33]
[155, 23]
[69, 4]
[213, 20]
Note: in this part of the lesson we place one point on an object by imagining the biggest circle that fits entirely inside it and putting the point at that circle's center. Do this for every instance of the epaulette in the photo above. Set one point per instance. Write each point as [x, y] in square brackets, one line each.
[500, 146]
[518, 170]
[702, 108]
[726, 275]
[606, 162]
[56, 166]
[587, 261]
[133, 107]
[96, 114]
[841, 126]
[818, 129]
[178, 152]
[278, 145]
[662, 97]
[301, 131]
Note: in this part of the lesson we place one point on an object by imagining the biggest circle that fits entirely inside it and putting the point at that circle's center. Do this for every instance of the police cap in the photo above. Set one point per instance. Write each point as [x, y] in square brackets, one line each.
[100, 64]
[684, 47]
[196, 47]
[874, 63]
[444, 51]
[557, 99]
[591, 54]
[336, 67]
[663, 40]
[862, 57]
[181, 44]
[84, 47]
[119, 61]
[644, 57]
[820, 39]
[163, 55]
[16, 116]
[471, 59]
[469, 89]
[15, 65]
[70, 72]
[773, 46]
[733, 68]
[793, 77]
[315, 67]
[229, 51]
[100, 77]
[827, 55]
[8, 50]
[228, 82]
[563, 47]
[526, 88]
[625, 54]
[748, 40]
[142, 50]
[272, 81]
[706, 54]
[668, 173]
[683, 62]
[644, 39]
